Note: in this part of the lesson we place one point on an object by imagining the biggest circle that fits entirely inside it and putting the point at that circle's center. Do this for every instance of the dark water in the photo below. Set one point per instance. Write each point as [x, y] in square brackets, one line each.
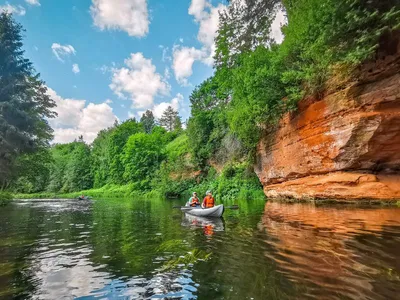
[147, 250]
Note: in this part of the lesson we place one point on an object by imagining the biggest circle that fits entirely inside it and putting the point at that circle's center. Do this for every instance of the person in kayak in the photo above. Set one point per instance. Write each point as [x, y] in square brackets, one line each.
[194, 200]
[208, 200]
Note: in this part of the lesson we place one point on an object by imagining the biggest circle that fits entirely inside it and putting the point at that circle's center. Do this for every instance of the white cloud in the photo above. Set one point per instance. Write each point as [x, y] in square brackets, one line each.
[74, 119]
[175, 103]
[61, 51]
[167, 73]
[75, 68]
[108, 101]
[13, 9]
[276, 32]
[33, 2]
[165, 54]
[208, 32]
[139, 80]
[181, 40]
[127, 15]
[184, 57]
[197, 8]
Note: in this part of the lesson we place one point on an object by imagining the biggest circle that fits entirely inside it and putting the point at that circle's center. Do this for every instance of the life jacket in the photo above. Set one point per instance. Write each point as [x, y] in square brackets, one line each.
[208, 202]
[195, 201]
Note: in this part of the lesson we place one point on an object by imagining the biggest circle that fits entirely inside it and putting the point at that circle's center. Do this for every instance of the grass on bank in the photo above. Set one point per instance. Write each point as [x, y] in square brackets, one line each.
[107, 191]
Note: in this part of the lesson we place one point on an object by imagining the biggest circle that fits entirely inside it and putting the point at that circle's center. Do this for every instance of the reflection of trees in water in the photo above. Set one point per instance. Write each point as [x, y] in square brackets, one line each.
[336, 252]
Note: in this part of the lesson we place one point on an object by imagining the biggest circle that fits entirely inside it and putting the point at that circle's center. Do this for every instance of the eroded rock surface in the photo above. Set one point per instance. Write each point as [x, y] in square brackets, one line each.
[346, 145]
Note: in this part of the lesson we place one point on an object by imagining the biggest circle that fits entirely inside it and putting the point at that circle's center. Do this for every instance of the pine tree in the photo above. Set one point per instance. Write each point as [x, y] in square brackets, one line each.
[148, 121]
[24, 104]
[169, 119]
[178, 124]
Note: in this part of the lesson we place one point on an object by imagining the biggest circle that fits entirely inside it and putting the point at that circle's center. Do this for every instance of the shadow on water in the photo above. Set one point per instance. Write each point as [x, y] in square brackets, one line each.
[144, 249]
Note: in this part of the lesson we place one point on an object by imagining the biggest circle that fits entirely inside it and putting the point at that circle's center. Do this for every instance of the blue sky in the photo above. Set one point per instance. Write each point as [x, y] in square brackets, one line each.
[107, 59]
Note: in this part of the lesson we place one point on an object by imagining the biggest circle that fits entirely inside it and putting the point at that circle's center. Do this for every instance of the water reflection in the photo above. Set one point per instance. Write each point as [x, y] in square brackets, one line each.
[209, 225]
[336, 252]
[144, 249]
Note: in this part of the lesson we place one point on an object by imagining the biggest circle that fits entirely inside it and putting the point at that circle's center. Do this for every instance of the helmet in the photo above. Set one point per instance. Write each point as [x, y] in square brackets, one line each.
[208, 192]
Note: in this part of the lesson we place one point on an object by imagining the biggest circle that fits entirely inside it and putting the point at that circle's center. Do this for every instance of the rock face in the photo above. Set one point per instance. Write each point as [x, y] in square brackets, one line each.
[344, 146]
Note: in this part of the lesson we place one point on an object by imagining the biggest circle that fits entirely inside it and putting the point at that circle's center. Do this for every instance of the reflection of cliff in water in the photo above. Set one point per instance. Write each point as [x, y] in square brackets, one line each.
[209, 225]
[339, 252]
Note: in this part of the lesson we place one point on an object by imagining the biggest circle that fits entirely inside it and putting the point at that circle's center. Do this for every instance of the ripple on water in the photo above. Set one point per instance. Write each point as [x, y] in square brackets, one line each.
[336, 252]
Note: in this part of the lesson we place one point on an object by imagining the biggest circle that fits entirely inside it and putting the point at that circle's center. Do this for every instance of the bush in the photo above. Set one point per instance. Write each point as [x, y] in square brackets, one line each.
[5, 198]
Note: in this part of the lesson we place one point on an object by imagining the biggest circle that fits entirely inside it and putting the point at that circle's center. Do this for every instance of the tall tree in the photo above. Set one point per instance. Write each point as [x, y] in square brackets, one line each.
[24, 104]
[169, 118]
[148, 121]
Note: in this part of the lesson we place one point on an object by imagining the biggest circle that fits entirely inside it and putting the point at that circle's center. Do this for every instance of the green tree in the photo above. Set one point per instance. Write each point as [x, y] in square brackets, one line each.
[24, 104]
[101, 158]
[148, 121]
[78, 174]
[169, 119]
[142, 157]
[34, 172]
[118, 139]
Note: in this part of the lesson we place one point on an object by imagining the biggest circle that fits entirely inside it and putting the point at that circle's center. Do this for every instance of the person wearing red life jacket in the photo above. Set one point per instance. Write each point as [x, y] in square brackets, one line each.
[208, 200]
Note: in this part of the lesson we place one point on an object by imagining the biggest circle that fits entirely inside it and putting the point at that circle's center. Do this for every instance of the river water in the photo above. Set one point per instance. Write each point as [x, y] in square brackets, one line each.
[134, 249]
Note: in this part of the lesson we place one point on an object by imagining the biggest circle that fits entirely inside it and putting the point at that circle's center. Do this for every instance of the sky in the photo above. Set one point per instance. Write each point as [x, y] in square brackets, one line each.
[107, 60]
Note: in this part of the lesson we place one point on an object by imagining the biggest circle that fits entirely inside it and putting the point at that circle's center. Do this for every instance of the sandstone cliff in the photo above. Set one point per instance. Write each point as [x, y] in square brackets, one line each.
[344, 146]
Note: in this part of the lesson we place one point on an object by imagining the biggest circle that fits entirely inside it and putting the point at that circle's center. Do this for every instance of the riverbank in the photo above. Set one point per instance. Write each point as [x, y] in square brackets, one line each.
[107, 191]
[127, 191]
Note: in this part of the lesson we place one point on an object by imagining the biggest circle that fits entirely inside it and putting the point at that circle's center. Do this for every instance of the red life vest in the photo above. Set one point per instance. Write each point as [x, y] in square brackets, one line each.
[195, 201]
[208, 202]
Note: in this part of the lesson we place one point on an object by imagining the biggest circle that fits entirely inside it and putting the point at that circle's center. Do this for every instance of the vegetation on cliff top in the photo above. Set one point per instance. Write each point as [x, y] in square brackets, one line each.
[255, 82]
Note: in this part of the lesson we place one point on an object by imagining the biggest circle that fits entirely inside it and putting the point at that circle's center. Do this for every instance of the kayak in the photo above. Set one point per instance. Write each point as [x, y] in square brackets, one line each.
[214, 212]
[83, 198]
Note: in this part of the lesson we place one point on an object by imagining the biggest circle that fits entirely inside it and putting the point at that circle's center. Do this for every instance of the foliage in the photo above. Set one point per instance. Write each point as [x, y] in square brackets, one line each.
[170, 119]
[142, 157]
[118, 139]
[24, 104]
[78, 175]
[34, 170]
[148, 121]
[5, 198]
[101, 158]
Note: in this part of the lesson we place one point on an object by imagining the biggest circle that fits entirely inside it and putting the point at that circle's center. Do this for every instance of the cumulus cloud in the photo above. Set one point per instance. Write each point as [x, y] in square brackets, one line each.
[197, 8]
[175, 103]
[33, 2]
[62, 51]
[207, 16]
[183, 59]
[75, 68]
[139, 81]
[75, 119]
[13, 9]
[127, 15]
[279, 21]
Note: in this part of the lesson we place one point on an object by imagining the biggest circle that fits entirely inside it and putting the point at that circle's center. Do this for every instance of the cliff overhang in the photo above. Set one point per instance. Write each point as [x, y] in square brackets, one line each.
[343, 146]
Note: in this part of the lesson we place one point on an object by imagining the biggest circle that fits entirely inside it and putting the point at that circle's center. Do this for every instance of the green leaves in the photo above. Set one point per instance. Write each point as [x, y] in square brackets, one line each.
[24, 104]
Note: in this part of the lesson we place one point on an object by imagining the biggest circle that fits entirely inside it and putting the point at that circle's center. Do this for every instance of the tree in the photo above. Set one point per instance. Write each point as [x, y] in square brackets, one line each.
[148, 121]
[118, 139]
[24, 103]
[244, 26]
[178, 124]
[169, 119]
[78, 175]
[142, 157]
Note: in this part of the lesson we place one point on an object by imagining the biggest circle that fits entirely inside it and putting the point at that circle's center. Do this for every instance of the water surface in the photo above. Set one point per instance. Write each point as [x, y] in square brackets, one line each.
[134, 249]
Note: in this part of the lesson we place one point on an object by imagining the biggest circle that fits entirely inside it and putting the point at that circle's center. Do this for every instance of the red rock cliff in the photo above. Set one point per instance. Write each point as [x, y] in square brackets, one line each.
[344, 146]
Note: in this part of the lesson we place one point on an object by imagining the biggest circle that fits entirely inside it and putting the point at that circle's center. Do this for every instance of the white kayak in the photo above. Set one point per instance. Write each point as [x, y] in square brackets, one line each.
[214, 212]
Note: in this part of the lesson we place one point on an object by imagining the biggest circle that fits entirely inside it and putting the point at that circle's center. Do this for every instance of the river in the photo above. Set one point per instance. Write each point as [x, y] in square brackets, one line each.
[145, 249]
